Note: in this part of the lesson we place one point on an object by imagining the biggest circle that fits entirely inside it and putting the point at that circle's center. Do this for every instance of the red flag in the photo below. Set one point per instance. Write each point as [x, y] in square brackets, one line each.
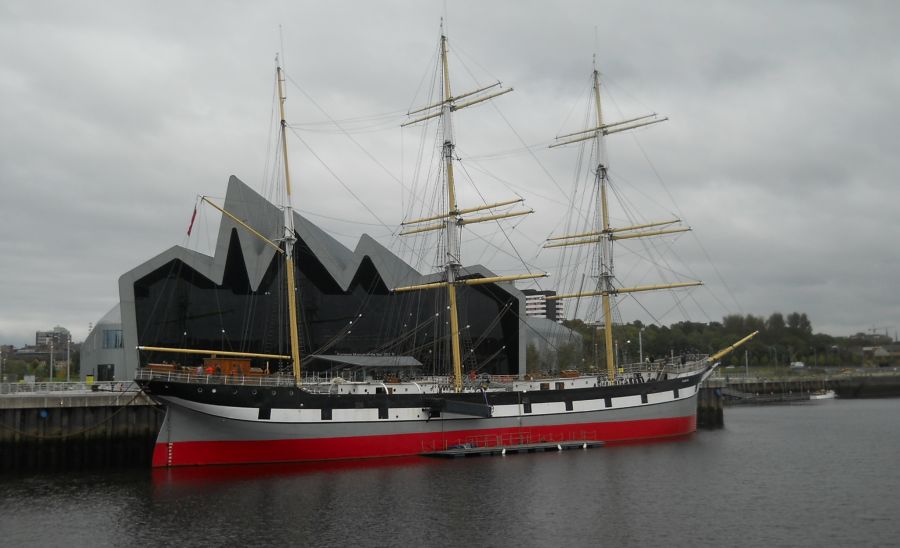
[194, 216]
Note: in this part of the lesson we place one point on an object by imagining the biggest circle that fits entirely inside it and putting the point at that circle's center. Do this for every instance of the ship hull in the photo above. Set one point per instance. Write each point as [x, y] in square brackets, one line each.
[228, 425]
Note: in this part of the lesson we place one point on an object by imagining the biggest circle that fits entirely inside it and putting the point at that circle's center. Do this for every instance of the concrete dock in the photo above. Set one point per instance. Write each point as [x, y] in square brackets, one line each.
[56, 426]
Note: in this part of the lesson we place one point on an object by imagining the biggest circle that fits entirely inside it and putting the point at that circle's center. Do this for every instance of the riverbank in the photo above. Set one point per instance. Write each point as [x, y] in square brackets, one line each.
[848, 384]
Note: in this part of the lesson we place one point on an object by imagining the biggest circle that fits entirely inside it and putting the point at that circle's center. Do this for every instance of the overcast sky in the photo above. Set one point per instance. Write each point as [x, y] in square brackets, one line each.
[781, 150]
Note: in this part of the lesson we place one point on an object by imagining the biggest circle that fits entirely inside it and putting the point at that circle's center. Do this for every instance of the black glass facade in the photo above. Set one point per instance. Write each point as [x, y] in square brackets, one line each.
[176, 306]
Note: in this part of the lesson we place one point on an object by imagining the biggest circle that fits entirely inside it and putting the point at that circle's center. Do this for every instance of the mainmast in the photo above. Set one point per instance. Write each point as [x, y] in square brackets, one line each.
[290, 239]
[606, 265]
[452, 220]
[607, 234]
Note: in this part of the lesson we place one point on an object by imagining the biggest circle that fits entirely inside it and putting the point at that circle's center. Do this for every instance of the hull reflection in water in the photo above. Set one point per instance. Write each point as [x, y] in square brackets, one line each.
[191, 477]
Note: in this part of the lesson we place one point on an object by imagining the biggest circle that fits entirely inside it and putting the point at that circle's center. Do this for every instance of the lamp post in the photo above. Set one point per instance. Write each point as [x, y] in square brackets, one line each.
[50, 373]
[68, 357]
[641, 344]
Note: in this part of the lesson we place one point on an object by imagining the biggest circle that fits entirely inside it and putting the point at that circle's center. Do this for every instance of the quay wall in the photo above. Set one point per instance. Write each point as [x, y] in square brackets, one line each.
[710, 406]
[77, 430]
[868, 386]
[850, 386]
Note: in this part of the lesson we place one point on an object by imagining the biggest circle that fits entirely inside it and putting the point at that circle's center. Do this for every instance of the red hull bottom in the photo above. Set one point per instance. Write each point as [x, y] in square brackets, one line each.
[189, 453]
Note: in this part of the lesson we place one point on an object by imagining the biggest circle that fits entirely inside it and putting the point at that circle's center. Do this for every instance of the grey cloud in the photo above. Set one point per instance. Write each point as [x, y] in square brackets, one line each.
[781, 149]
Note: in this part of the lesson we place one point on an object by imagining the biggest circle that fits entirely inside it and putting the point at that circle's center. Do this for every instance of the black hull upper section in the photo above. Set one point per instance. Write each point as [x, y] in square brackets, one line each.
[285, 397]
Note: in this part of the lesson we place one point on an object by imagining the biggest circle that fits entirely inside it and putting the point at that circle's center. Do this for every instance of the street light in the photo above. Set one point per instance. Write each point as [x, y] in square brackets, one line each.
[641, 344]
[68, 356]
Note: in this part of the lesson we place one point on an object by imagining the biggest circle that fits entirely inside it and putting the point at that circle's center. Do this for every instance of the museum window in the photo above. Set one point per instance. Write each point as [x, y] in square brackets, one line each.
[112, 338]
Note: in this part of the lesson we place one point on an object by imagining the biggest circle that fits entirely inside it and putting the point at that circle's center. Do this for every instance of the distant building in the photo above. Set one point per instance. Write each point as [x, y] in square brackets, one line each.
[56, 336]
[103, 351]
[537, 305]
[882, 356]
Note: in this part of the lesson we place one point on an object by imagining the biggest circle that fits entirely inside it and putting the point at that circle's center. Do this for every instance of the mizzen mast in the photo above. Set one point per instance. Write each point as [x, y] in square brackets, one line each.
[452, 220]
[290, 238]
[607, 234]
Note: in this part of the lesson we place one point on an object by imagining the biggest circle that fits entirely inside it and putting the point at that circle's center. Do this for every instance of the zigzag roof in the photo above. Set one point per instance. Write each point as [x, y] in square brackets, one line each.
[341, 263]
[249, 206]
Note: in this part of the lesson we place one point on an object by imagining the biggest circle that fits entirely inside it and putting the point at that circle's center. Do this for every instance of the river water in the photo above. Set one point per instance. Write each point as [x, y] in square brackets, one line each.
[812, 474]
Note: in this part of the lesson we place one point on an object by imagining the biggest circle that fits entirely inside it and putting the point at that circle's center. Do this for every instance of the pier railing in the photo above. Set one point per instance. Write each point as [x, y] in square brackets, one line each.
[73, 387]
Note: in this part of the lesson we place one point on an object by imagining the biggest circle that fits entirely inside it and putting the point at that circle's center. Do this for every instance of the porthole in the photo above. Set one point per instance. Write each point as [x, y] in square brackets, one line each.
[291, 393]
[199, 389]
[253, 392]
[274, 393]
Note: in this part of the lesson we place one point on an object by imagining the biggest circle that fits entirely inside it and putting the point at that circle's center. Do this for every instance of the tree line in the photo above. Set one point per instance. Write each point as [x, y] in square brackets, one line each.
[782, 340]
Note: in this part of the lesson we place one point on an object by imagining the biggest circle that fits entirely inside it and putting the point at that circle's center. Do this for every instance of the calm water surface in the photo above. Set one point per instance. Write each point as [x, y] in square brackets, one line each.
[813, 474]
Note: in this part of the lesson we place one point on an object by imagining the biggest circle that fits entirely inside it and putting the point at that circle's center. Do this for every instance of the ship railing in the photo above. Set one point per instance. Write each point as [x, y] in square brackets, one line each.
[202, 378]
[676, 364]
[326, 383]
[320, 383]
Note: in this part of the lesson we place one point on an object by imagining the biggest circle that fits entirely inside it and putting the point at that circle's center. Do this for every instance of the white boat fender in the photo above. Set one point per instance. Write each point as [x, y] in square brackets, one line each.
[559, 447]
[503, 452]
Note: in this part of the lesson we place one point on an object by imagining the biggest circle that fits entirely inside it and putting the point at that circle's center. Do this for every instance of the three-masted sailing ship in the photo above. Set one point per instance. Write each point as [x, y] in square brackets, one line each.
[218, 417]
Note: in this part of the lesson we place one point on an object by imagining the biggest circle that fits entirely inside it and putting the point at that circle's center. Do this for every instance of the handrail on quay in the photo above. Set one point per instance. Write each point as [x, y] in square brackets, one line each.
[31, 388]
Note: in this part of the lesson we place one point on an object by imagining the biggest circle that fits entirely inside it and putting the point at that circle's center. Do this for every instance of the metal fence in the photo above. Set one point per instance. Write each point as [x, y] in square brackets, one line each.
[57, 387]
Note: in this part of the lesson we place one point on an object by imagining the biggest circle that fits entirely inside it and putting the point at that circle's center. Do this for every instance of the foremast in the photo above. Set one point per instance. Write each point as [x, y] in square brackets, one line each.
[607, 234]
[290, 239]
[452, 220]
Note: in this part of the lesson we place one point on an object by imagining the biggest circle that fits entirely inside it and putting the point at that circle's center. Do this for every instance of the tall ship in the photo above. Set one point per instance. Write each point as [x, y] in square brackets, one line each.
[256, 407]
